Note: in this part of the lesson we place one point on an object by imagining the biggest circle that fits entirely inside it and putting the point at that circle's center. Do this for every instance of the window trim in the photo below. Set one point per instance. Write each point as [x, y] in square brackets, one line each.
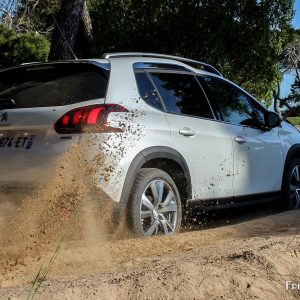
[184, 73]
[157, 91]
[142, 71]
[169, 71]
[249, 98]
[159, 66]
[207, 99]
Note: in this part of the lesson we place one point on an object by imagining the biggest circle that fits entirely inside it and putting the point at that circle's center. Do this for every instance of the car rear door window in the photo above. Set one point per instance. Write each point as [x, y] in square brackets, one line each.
[233, 103]
[147, 90]
[182, 94]
[52, 85]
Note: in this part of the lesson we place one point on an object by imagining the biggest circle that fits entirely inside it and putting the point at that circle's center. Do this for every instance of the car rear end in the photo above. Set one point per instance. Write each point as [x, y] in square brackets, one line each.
[43, 110]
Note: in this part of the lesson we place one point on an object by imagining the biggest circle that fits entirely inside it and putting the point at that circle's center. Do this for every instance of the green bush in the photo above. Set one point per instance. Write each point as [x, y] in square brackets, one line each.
[20, 48]
[294, 120]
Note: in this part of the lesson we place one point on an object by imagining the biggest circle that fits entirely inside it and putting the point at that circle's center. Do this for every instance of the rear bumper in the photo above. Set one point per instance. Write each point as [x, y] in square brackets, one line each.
[35, 166]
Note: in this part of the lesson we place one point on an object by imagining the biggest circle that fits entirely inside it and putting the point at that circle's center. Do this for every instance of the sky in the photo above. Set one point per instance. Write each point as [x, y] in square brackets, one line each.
[296, 21]
[289, 79]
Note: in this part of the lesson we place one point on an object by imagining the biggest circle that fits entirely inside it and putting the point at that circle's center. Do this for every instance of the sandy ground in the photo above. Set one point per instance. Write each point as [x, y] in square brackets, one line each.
[251, 259]
[62, 229]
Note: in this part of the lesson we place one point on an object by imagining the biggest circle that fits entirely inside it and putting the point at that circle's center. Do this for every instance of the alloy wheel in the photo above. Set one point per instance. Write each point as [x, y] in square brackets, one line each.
[158, 209]
[295, 187]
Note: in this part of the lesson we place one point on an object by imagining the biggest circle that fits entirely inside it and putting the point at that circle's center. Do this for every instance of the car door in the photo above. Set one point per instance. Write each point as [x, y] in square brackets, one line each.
[257, 152]
[204, 143]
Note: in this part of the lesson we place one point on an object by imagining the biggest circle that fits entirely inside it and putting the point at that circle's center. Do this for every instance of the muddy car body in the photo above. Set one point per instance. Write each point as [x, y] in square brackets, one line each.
[170, 131]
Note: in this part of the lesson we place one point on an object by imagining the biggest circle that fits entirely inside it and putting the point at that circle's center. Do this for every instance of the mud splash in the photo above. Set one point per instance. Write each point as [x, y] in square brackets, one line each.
[70, 211]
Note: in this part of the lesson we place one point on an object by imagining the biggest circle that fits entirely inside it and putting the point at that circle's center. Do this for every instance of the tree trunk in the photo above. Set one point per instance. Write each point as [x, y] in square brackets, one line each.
[66, 28]
[87, 30]
[276, 97]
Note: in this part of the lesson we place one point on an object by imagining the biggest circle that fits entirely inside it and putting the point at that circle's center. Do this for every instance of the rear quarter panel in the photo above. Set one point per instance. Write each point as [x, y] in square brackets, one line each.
[110, 155]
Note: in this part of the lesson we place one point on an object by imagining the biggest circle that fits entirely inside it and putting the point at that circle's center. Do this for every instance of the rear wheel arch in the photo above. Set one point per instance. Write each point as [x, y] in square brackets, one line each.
[161, 157]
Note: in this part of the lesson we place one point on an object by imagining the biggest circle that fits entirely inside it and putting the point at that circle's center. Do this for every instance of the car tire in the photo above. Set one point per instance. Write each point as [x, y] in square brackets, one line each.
[154, 204]
[291, 185]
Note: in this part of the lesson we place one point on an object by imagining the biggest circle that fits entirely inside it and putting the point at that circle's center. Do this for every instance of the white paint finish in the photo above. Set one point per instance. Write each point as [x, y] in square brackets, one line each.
[39, 118]
[258, 163]
[141, 130]
[209, 155]
[289, 136]
[47, 146]
[122, 88]
[219, 167]
[30, 165]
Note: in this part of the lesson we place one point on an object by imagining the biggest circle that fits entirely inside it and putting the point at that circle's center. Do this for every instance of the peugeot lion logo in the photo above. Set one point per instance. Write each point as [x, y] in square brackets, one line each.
[4, 117]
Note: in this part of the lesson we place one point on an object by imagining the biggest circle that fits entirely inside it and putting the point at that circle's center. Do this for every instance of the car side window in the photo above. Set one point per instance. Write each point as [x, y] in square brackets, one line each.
[147, 90]
[260, 111]
[182, 94]
[233, 103]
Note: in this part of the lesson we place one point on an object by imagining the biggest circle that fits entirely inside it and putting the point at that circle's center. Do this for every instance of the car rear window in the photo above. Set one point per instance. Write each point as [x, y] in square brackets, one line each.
[52, 85]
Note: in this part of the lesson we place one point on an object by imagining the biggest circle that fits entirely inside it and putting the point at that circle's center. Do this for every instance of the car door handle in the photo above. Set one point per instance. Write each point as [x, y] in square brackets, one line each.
[240, 140]
[187, 132]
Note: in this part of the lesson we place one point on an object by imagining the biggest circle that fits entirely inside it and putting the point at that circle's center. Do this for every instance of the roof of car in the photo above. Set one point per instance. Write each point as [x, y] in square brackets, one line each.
[103, 62]
[134, 57]
[190, 62]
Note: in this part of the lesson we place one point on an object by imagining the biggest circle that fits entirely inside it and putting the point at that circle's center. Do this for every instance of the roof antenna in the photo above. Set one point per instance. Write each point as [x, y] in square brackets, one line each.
[70, 48]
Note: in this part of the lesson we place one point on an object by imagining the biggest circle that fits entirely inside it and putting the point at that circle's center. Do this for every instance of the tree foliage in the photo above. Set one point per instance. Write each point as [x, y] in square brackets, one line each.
[66, 28]
[44, 16]
[243, 38]
[19, 48]
[37, 15]
[290, 63]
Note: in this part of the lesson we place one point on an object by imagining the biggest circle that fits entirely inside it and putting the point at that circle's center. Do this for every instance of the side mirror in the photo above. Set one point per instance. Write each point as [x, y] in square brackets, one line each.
[272, 119]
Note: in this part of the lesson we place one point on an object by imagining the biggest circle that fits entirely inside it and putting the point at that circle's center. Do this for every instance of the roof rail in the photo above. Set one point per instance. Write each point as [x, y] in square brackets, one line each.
[193, 63]
[30, 63]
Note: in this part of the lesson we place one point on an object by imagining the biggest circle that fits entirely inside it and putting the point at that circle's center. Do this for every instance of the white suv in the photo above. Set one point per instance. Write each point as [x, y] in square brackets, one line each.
[171, 131]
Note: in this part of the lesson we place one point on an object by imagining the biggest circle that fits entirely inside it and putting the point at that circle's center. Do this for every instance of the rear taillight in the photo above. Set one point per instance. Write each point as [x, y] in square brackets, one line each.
[88, 119]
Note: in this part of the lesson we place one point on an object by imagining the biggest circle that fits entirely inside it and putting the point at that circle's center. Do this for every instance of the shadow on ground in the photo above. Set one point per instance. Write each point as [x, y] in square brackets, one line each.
[197, 219]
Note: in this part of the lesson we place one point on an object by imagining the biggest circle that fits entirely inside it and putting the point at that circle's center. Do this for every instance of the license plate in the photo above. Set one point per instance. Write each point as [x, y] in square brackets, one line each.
[23, 142]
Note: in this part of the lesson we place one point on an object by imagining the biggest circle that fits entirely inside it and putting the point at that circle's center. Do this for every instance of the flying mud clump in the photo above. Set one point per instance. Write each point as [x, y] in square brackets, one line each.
[69, 212]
